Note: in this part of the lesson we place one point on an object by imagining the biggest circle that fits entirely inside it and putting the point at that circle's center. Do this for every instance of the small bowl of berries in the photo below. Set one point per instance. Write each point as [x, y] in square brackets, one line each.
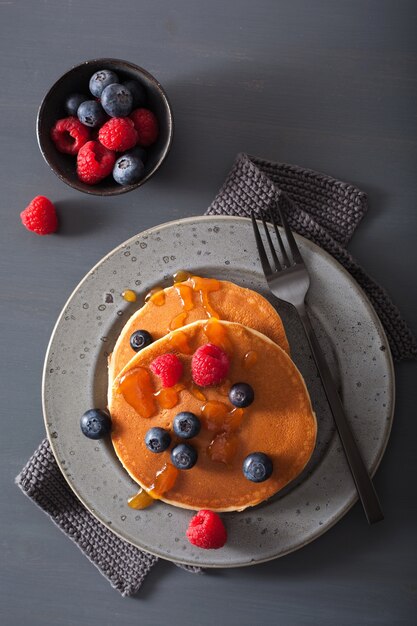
[105, 127]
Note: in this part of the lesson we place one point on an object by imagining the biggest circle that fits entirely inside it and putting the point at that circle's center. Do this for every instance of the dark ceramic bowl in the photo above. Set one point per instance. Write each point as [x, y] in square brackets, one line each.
[76, 81]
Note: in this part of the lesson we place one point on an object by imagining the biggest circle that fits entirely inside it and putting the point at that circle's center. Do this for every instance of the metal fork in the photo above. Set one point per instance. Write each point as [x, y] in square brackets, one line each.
[289, 281]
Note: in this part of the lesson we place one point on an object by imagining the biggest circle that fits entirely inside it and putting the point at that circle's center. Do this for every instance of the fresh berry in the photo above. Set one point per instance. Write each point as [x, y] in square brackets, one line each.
[73, 102]
[206, 530]
[90, 113]
[95, 424]
[128, 170]
[40, 216]
[257, 467]
[138, 152]
[168, 367]
[69, 135]
[157, 439]
[140, 339]
[118, 134]
[186, 425]
[241, 395]
[100, 80]
[209, 365]
[146, 125]
[94, 162]
[117, 100]
[183, 456]
[138, 92]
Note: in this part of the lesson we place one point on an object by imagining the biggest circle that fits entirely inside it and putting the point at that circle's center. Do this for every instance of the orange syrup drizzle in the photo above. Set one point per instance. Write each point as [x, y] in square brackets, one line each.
[137, 389]
[156, 296]
[164, 481]
[141, 500]
[217, 334]
[250, 359]
[168, 397]
[129, 295]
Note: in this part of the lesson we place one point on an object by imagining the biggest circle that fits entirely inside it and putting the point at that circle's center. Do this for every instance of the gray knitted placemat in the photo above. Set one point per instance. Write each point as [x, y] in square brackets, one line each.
[322, 209]
[124, 566]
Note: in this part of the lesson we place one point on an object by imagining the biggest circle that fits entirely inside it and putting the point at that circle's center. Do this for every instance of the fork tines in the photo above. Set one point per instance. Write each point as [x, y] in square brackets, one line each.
[286, 262]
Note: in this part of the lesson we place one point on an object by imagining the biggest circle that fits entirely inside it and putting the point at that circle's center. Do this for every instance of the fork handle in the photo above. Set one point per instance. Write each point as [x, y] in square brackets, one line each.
[363, 482]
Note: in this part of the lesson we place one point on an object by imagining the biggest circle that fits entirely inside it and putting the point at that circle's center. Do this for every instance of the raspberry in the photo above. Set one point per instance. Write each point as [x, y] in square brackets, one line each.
[169, 369]
[209, 365]
[94, 162]
[146, 126]
[40, 216]
[206, 530]
[69, 135]
[118, 134]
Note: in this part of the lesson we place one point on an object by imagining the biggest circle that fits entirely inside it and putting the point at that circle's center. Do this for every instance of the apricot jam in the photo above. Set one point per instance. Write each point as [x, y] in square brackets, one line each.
[156, 296]
[216, 333]
[181, 276]
[168, 397]
[179, 342]
[217, 416]
[197, 393]
[223, 448]
[206, 286]
[178, 321]
[137, 389]
[234, 420]
[164, 481]
[129, 295]
[250, 359]
[185, 292]
[141, 500]
[225, 387]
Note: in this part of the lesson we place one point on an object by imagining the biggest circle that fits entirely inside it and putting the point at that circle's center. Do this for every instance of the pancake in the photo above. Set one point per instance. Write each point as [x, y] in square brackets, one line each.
[280, 422]
[196, 299]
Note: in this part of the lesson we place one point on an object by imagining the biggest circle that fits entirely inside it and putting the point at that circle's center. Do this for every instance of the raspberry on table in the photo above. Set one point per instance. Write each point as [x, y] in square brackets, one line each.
[94, 162]
[118, 134]
[69, 135]
[206, 530]
[169, 369]
[40, 216]
[209, 365]
[146, 126]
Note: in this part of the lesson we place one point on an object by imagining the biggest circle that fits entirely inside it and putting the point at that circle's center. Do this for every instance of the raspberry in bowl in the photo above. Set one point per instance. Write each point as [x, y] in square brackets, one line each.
[105, 127]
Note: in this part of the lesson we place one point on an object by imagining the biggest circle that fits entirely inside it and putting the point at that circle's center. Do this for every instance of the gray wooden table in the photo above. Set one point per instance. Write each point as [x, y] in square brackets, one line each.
[325, 84]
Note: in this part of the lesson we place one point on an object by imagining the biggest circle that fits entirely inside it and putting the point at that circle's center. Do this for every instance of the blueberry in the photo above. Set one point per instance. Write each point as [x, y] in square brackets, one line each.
[95, 424]
[73, 102]
[100, 80]
[139, 152]
[186, 425]
[140, 339]
[117, 100]
[138, 93]
[257, 467]
[157, 439]
[128, 170]
[90, 113]
[241, 395]
[183, 456]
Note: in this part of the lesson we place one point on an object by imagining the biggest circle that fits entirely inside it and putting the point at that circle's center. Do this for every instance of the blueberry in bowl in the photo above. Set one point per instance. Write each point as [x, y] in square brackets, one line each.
[81, 102]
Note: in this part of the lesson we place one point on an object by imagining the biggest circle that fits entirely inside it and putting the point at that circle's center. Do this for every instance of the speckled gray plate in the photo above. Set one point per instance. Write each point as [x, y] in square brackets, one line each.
[75, 379]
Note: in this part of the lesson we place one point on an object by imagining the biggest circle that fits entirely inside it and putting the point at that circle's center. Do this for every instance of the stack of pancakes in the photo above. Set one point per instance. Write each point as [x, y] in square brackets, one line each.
[280, 422]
